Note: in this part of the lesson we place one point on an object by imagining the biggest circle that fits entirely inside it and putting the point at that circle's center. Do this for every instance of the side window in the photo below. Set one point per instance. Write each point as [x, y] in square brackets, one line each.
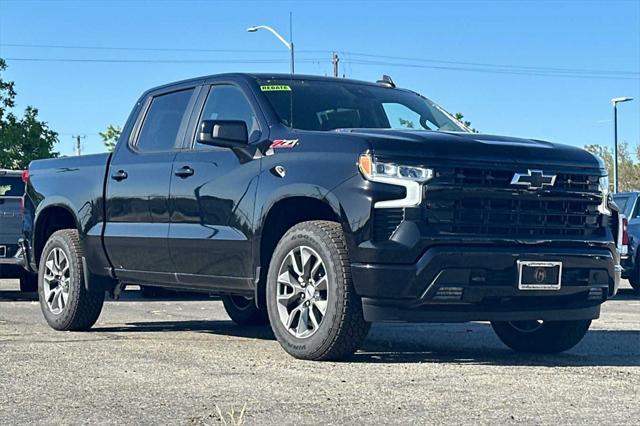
[163, 121]
[226, 102]
[636, 210]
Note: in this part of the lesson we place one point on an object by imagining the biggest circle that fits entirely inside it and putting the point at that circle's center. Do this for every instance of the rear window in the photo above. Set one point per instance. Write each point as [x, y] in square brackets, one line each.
[11, 187]
[164, 119]
[623, 202]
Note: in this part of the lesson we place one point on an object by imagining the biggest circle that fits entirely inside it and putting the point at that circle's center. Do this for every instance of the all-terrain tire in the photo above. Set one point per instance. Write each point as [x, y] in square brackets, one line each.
[244, 311]
[28, 282]
[83, 307]
[342, 329]
[548, 338]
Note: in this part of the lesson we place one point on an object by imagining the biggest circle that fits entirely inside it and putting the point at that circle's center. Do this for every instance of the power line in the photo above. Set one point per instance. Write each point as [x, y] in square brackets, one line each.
[488, 70]
[154, 49]
[351, 53]
[481, 64]
[164, 61]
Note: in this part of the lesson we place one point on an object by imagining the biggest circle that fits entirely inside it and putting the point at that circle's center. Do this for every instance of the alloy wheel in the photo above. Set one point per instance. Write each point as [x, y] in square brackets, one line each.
[302, 292]
[57, 280]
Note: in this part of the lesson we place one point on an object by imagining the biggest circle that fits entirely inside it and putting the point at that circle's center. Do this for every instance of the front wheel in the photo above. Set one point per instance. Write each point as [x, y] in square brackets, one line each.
[313, 309]
[66, 304]
[243, 311]
[545, 337]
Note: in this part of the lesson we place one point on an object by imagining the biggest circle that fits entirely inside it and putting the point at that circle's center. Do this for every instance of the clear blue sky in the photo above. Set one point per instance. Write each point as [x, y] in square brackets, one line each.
[84, 97]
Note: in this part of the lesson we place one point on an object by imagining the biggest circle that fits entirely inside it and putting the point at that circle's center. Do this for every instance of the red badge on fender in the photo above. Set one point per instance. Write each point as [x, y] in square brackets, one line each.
[284, 143]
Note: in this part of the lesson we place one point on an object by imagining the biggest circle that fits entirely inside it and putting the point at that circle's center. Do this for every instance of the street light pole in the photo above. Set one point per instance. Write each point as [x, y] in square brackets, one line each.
[615, 102]
[288, 44]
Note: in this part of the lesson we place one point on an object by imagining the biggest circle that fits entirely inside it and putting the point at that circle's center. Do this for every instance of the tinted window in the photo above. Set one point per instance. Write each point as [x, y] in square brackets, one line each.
[11, 187]
[226, 102]
[162, 123]
[636, 211]
[329, 105]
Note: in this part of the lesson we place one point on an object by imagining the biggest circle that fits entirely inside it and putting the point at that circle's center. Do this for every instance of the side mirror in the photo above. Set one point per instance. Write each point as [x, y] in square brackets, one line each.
[225, 133]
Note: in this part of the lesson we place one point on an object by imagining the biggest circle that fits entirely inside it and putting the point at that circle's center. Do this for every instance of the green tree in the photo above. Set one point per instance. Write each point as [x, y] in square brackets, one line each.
[22, 139]
[460, 117]
[628, 168]
[110, 136]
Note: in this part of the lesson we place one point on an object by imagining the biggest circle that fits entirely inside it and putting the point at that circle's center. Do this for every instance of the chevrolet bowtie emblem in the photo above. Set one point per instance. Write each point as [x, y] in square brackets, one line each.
[533, 179]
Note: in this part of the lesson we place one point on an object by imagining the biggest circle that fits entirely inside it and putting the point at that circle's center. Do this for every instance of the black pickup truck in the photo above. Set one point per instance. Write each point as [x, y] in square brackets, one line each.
[321, 205]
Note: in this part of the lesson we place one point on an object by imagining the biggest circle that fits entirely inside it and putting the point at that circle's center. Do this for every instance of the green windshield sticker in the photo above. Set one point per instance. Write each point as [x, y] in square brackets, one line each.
[275, 88]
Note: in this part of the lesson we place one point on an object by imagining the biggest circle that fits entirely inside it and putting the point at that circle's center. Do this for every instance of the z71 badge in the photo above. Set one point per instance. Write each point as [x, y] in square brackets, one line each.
[284, 143]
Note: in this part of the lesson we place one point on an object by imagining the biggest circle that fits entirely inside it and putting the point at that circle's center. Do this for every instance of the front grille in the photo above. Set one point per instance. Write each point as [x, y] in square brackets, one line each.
[493, 178]
[466, 201]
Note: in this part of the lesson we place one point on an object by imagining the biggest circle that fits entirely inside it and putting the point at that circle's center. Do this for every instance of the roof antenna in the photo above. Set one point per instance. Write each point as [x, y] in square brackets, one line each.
[386, 81]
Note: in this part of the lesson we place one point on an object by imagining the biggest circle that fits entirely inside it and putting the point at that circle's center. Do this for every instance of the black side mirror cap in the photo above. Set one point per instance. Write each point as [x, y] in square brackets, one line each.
[224, 133]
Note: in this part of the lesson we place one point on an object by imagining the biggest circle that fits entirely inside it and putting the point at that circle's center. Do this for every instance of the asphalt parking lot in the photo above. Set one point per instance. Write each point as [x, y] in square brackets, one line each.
[181, 361]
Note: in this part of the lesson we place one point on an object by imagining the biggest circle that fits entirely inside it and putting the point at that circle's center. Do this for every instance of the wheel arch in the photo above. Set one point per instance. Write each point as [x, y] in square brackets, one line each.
[49, 219]
[281, 215]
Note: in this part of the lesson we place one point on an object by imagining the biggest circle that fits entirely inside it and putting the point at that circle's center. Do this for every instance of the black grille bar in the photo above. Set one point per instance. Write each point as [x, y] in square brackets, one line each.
[466, 201]
[502, 179]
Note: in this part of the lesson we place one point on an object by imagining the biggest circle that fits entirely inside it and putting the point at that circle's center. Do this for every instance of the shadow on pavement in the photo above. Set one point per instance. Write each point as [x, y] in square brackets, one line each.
[223, 328]
[620, 348]
[18, 296]
[627, 294]
[435, 343]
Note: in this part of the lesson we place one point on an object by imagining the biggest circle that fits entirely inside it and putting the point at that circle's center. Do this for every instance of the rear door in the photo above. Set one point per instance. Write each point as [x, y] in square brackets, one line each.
[137, 195]
[212, 205]
[11, 192]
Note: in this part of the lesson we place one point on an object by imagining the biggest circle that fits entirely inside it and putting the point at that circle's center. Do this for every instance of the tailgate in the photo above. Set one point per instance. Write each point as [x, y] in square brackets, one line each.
[10, 220]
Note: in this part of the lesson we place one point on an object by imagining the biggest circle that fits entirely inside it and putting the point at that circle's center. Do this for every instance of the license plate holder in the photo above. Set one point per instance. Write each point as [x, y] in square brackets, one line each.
[539, 275]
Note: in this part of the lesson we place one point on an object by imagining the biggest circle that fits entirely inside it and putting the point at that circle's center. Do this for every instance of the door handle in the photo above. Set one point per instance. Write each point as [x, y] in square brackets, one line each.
[119, 175]
[184, 172]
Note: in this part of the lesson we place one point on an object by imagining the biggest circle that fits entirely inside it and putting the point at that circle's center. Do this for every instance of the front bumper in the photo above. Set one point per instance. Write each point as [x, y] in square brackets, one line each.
[454, 283]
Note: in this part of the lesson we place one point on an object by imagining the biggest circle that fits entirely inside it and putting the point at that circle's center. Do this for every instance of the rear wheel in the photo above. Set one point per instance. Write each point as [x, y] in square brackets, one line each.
[243, 311]
[314, 311]
[541, 336]
[28, 282]
[65, 302]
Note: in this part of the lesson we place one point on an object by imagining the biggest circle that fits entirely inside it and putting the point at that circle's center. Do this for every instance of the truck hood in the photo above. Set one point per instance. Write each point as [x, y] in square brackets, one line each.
[474, 147]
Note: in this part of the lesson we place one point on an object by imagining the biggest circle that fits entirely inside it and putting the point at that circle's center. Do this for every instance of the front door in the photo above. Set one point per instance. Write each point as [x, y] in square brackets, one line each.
[138, 191]
[212, 201]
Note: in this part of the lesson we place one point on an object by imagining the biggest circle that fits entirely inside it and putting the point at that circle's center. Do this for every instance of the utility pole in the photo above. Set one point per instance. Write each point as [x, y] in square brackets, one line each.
[615, 102]
[78, 144]
[334, 60]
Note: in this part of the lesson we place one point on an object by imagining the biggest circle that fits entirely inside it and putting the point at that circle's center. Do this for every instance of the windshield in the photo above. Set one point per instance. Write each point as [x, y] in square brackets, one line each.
[624, 202]
[11, 187]
[330, 105]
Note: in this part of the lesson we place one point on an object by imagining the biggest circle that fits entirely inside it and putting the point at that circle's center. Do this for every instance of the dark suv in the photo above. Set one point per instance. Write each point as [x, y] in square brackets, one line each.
[11, 192]
[322, 204]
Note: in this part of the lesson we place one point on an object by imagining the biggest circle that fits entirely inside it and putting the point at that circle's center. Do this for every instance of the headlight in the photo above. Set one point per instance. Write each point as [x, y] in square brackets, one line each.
[410, 177]
[603, 184]
[375, 170]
